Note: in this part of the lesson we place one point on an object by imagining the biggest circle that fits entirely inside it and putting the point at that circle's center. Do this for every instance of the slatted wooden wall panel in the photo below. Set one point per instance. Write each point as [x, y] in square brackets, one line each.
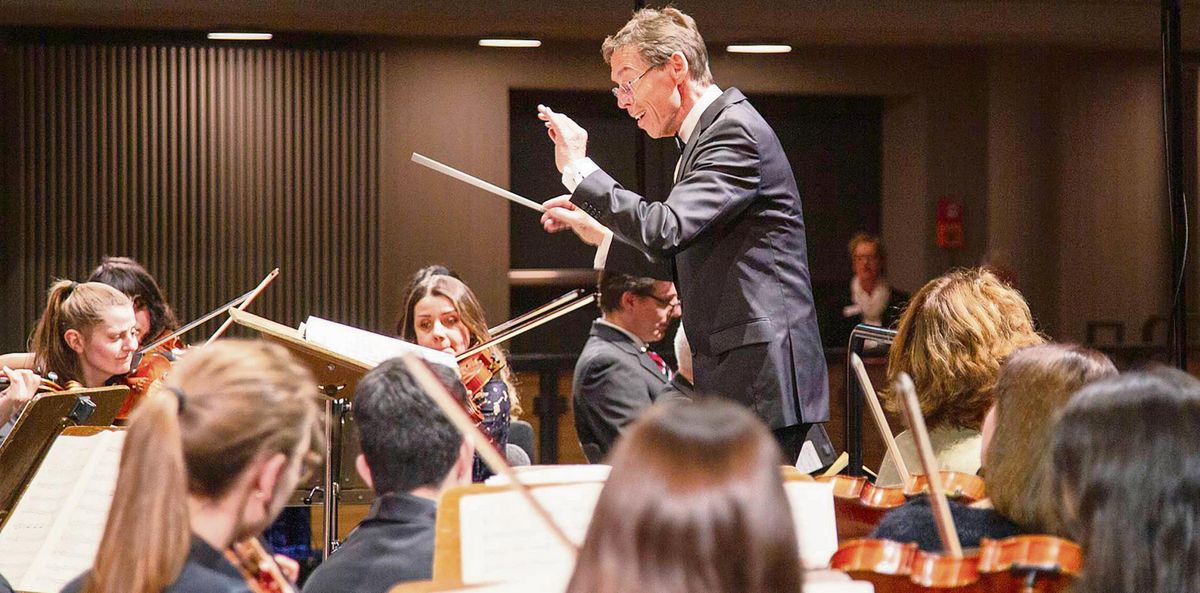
[211, 165]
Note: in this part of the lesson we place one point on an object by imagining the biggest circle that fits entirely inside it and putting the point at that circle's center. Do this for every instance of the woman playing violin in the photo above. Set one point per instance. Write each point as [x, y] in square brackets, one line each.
[1126, 482]
[203, 467]
[441, 312]
[1033, 386]
[87, 333]
[951, 340]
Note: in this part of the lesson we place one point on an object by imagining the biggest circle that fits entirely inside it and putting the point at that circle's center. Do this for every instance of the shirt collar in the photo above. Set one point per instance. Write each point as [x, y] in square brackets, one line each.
[636, 340]
[711, 94]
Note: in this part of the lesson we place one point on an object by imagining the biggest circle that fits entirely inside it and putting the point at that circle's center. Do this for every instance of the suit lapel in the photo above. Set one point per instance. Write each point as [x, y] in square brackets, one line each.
[622, 342]
[727, 98]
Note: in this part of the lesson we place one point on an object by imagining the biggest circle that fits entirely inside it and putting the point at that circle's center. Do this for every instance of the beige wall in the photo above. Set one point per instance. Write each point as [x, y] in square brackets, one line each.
[1056, 158]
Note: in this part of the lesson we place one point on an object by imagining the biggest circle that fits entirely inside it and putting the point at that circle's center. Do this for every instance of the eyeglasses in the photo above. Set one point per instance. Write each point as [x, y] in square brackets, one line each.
[664, 303]
[625, 89]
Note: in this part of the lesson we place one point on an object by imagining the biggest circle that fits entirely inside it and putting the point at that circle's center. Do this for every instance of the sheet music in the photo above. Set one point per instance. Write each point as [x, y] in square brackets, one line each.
[501, 534]
[816, 527]
[55, 528]
[366, 346]
[554, 474]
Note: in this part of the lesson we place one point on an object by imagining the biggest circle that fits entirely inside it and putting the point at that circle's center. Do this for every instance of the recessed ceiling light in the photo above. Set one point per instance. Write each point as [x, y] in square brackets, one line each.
[496, 42]
[239, 36]
[758, 48]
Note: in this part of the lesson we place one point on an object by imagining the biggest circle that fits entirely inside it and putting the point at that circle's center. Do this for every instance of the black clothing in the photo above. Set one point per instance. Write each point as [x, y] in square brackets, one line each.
[206, 571]
[4, 586]
[731, 235]
[838, 334]
[913, 522]
[393, 544]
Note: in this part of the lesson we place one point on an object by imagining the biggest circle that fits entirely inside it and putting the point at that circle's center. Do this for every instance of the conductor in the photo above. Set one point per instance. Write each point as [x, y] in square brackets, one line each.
[730, 234]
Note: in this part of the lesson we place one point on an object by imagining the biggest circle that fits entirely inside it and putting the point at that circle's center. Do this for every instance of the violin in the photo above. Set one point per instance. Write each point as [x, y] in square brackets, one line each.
[259, 569]
[481, 363]
[1036, 563]
[156, 359]
[1023, 563]
[152, 365]
[859, 505]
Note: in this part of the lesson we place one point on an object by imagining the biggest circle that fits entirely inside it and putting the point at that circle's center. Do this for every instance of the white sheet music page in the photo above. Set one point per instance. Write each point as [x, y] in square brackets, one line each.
[816, 527]
[501, 535]
[365, 346]
[55, 529]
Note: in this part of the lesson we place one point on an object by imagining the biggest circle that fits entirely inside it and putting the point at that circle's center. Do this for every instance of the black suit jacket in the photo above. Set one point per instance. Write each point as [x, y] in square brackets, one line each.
[393, 544]
[614, 383]
[206, 571]
[731, 236]
[897, 301]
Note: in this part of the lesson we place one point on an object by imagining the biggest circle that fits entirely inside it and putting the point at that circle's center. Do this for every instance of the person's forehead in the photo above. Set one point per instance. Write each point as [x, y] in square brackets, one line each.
[664, 288]
[626, 63]
[118, 317]
[434, 304]
[866, 248]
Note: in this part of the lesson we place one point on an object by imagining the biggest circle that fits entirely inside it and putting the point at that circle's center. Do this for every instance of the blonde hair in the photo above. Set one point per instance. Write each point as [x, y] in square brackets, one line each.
[469, 311]
[1034, 386]
[952, 338]
[659, 33]
[70, 305]
[240, 400]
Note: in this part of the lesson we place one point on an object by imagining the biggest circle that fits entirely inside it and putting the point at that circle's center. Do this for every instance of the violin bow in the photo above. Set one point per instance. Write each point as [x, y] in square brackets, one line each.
[515, 321]
[245, 303]
[937, 496]
[436, 391]
[885, 430]
[196, 322]
[569, 306]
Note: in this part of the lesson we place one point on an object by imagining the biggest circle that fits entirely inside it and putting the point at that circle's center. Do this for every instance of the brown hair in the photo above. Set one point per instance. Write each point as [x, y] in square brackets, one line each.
[659, 33]
[695, 502]
[128, 276]
[242, 400]
[952, 338]
[1034, 386]
[70, 305]
[469, 311]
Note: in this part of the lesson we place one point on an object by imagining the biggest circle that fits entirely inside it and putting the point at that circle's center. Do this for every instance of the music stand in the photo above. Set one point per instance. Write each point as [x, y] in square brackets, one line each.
[44, 418]
[336, 375]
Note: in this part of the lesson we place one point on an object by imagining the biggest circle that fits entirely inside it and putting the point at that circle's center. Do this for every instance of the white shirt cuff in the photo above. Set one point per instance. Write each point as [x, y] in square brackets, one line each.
[602, 251]
[576, 171]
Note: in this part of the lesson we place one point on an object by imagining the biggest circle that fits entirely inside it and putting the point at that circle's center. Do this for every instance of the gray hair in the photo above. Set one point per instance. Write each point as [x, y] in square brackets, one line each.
[659, 33]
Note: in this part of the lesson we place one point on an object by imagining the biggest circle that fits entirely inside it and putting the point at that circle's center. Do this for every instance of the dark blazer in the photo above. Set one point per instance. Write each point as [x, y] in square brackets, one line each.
[206, 571]
[393, 544]
[614, 382]
[4, 586]
[913, 522]
[731, 236]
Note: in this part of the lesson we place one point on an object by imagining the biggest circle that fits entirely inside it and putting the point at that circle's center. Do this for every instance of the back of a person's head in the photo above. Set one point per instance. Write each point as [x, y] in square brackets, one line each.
[130, 277]
[1034, 385]
[223, 408]
[1127, 481]
[952, 338]
[407, 441]
[694, 503]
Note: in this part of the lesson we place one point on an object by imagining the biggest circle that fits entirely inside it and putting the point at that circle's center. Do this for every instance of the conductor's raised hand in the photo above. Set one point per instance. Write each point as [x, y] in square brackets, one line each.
[561, 215]
[570, 140]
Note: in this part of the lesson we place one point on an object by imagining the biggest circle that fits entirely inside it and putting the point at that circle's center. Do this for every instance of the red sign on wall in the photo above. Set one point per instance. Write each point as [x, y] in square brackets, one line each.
[950, 224]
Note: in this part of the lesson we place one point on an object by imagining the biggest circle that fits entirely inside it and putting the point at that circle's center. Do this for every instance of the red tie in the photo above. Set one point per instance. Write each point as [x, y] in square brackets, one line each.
[658, 360]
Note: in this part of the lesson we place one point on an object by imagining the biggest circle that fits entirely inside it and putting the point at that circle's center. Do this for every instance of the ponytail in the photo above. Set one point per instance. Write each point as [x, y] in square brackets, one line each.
[147, 535]
[69, 305]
